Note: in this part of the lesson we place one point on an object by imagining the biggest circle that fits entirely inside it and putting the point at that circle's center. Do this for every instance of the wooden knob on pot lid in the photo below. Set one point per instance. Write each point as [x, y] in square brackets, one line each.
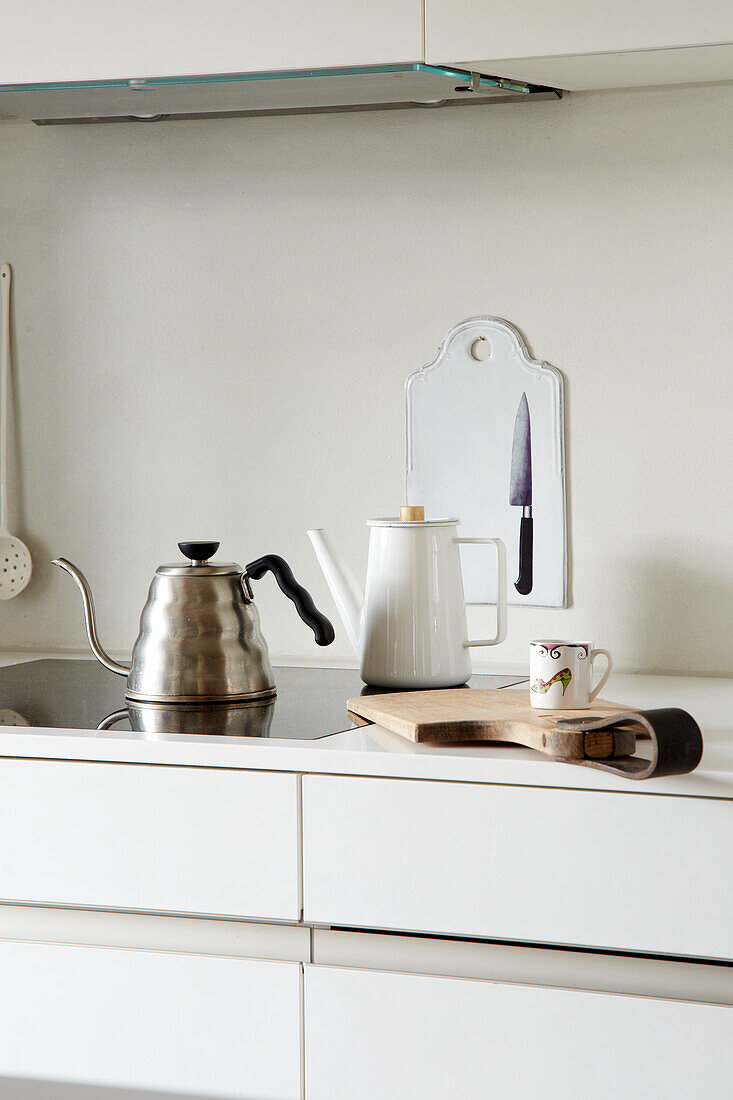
[409, 514]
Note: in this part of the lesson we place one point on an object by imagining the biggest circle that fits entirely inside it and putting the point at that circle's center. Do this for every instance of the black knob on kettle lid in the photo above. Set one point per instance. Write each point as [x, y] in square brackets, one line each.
[198, 552]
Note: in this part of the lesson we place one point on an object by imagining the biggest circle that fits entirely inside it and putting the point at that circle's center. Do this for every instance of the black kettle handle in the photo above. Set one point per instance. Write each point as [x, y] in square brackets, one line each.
[283, 574]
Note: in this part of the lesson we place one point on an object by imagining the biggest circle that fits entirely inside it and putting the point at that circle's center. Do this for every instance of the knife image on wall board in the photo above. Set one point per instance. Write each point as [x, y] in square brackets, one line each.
[520, 493]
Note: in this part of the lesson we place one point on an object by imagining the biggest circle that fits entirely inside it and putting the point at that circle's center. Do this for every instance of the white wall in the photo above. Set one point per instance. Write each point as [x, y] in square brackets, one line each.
[214, 322]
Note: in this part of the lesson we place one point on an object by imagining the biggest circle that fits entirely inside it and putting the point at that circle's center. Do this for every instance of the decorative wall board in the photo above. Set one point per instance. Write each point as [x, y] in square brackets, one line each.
[465, 459]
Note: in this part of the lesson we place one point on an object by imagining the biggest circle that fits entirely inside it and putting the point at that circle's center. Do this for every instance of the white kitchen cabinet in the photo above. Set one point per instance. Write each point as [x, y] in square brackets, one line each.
[584, 868]
[180, 840]
[193, 1024]
[81, 40]
[415, 1037]
[575, 45]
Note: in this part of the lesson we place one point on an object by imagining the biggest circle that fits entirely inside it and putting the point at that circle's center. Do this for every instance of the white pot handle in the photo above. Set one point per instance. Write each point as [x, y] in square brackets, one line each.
[501, 594]
[604, 678]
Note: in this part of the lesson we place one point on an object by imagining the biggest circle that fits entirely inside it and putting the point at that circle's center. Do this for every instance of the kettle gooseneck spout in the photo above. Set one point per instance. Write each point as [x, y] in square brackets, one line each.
[89, 617]
[345, 589]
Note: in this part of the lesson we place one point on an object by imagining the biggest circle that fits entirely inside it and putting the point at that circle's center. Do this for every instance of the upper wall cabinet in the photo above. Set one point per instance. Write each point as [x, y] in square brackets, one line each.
[45, 41]
[573, 44]
[88, 60]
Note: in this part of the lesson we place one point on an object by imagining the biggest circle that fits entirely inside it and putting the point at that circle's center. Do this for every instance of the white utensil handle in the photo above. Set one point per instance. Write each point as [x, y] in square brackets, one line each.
[4, 395]
[501, 589]
[604, 678]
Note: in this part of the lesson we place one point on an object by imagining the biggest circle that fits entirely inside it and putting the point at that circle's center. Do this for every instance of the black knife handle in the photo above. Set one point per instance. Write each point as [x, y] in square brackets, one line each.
[523, 583]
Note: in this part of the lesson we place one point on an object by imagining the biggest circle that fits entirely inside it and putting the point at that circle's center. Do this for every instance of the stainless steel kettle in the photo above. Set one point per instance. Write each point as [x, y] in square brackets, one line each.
[200, 638]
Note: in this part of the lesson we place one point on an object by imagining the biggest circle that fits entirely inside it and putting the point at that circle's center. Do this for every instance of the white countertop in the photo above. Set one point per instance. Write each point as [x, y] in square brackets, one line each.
[375, 751]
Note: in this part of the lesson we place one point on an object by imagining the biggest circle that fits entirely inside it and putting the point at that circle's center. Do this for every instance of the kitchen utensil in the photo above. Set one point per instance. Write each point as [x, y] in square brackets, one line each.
[560, 674]
[460, 414]
[16, 564]
[200, 637]
[481, 714]
[409, 627]
[520, 494]
[602, 733]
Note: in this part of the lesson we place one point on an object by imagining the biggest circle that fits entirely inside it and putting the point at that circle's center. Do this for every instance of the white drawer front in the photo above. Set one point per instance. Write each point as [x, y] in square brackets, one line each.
[413, 1037]
[186, 840]
[189, 1024]
[635, 872]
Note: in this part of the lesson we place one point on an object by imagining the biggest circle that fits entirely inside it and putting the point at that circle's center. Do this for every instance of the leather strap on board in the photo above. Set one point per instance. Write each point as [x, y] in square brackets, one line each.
[675, 736]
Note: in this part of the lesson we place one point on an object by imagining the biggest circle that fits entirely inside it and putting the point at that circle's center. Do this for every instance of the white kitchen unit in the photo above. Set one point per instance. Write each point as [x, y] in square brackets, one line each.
[360, 916]
[196, 1024]
[173, 840]
[569, 46]
[83, 40]
[541, 865]
[417, 1037]
[575, 45]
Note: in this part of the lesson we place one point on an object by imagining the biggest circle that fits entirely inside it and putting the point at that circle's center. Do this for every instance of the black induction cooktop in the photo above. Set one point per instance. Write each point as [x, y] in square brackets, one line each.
[71, 694]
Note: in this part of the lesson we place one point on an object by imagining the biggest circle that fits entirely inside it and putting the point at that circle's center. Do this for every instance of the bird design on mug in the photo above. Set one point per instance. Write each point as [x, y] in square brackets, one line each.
[564, 676]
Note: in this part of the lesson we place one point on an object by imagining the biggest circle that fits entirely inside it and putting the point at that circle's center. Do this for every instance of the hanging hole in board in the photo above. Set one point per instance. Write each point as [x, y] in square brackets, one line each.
[481, 349]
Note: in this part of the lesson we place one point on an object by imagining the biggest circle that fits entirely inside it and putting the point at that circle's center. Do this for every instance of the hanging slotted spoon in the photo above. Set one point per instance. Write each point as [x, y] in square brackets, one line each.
[15, 558]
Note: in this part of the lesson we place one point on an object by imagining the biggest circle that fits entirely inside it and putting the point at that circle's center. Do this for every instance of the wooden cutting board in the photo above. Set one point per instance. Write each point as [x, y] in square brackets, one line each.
[475, 714]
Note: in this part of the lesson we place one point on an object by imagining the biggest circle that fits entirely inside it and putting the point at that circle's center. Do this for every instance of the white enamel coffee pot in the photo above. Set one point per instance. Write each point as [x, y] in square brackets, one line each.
[409, 627]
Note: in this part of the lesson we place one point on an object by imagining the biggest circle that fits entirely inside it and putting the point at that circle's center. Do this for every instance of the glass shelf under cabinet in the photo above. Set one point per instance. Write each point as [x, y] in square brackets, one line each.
[241, 94]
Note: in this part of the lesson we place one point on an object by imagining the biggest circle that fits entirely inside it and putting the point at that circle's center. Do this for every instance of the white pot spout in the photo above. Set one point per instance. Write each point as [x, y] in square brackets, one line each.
[345, 589]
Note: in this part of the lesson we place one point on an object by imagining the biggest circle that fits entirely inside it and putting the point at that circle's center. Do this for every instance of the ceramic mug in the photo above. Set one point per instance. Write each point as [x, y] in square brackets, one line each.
[560, 674]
